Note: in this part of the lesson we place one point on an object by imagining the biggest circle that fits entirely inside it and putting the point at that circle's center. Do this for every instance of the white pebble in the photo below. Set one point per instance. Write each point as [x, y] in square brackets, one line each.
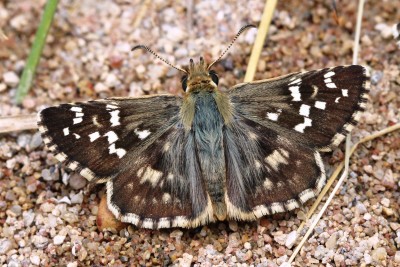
[397, 257]
[385, 202]
[291, 238]
[35, 259]
[3, 87]
[77, 198]
[367, 216]
[111, 80]
[247, 245]
[58, 239]
[10, 78]
[100, 87]
[39, 241]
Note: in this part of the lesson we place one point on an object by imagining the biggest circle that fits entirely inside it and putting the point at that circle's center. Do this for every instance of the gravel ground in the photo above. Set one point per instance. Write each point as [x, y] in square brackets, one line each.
[48, 215]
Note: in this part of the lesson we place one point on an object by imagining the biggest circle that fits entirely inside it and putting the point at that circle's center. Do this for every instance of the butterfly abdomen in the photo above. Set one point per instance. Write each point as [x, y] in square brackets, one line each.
[207, 129]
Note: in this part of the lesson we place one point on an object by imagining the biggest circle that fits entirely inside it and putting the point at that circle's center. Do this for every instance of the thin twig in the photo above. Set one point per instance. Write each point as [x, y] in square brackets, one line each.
[18, 123]
[259, 43]
[141, 13]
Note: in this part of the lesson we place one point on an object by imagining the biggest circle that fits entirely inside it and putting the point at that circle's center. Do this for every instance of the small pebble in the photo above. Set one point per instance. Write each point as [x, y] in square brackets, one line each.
[16, 210]
[77, 181]
[35, 259]
[23, 140]
[176, 234]
[36, 141]
[361, 208]
[77, 198]
[10, 78]
[385, 202]
[58, 239]
[5, 246]
[331, 243]
[379, 254]
[233, 226]
[39, 241]
[290, 239]
[397, 257]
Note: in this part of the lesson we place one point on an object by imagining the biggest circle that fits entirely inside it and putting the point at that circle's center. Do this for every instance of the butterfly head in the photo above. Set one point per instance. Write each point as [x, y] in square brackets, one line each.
[199, 78]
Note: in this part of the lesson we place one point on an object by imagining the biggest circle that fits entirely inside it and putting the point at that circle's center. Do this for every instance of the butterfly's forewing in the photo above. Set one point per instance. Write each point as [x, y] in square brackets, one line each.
[317, 108]
[82, 134]
[280, 126]
[138, 146]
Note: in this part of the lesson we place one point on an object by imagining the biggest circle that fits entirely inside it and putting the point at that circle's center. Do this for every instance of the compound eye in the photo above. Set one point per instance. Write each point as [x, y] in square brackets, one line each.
[214, 76]
[184, 82]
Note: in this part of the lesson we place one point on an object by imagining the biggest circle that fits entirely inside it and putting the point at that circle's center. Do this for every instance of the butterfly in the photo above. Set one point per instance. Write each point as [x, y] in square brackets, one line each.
[172, 161]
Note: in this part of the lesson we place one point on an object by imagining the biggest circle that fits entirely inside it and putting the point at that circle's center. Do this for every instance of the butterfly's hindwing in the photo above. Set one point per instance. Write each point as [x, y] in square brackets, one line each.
[164, 187]
[266, 172]
[317, 108]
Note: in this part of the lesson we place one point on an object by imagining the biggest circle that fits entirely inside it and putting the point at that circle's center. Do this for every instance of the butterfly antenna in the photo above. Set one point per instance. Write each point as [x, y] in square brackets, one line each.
[145, 47]
[233, 41]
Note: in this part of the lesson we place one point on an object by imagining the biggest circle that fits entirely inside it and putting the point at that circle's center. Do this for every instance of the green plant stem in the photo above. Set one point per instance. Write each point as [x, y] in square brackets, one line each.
[36, 51]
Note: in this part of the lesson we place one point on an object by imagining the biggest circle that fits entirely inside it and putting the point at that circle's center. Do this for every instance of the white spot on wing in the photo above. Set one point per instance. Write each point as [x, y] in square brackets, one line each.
[345, 92]
[268, 184]
[315, 88]
[331, 85]
[76, 109]
[150, 175]
[147, 223]
[320, 104]
[61, 157]
[66, 131]
[94, 136]
[95, 121]
[112, 137]
[272, 116]
[167, 146]
[109, 106]
[329, 80]
[305, 110]
[337, 99]
[114, 118]
[295, 81]
[77, 120]
[77, 136]
[142, 134]
[329, 74]
[300, 127]
[277, 157]
[295, 93]
[166, 198]
[119, 151]
[73, 165]
[79, 114]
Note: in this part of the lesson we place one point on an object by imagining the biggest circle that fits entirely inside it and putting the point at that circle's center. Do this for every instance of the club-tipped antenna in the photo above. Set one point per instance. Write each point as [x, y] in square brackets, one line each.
[233, 41]
[145, 47]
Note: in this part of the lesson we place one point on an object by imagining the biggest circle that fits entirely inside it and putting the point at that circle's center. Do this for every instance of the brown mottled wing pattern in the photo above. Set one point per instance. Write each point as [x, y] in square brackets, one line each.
[139, 148]
[280, 127]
